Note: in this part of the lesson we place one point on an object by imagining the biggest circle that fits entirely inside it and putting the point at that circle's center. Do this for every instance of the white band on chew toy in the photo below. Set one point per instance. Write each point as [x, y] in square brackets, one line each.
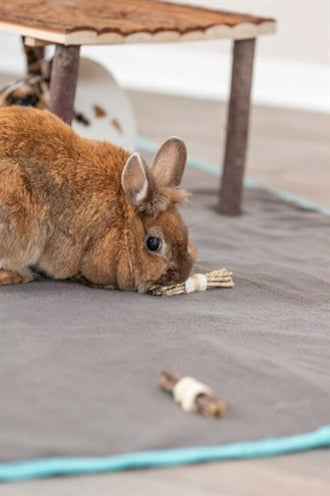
[196, 282]
[186, 391]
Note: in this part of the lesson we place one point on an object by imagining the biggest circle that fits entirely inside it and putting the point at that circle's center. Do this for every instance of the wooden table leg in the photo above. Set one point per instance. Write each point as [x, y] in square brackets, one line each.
[63, 81]
[34, 56]
[237, 128]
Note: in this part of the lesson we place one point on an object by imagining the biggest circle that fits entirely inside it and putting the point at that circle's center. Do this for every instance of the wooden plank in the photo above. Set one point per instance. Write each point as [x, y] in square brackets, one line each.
[237, 128]
[34, 42]
[129, 21]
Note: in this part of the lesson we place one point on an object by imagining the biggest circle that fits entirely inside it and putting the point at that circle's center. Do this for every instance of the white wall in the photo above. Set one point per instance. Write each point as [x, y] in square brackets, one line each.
[291, 67]
[303, 33]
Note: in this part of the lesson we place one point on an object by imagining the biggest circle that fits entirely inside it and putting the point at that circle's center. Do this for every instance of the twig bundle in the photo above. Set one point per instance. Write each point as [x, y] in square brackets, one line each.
[220, 278]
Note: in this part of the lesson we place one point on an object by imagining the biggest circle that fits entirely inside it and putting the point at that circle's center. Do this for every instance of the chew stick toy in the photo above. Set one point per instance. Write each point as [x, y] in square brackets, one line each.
[191, 394]
[220, 278]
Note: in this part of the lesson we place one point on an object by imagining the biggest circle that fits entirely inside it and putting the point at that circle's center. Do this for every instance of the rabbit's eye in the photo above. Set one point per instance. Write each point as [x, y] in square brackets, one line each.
[153, 244]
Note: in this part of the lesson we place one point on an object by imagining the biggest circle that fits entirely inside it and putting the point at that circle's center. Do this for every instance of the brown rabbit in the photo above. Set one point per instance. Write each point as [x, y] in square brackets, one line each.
[88, 210]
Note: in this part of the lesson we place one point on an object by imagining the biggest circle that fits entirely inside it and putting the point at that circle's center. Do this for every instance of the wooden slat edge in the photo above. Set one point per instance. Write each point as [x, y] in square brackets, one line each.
[38, 34]
[34, 42]
[89, 37]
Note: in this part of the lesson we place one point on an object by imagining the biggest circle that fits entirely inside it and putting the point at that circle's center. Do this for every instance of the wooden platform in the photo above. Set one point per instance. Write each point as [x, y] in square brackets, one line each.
[85, 22]
[72, 23]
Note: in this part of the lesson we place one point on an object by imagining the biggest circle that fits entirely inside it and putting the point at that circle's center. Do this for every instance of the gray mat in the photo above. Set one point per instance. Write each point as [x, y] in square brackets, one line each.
[79, 366]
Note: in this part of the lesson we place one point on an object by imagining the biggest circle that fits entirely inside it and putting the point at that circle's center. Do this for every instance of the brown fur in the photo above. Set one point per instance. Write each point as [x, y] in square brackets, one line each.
[72, 208]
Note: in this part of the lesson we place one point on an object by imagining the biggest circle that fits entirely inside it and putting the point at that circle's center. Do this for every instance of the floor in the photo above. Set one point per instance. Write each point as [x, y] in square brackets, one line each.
[288, 150]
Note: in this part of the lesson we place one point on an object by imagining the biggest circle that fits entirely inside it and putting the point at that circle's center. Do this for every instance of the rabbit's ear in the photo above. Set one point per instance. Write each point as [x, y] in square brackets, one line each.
[136, 180]
[169, 162]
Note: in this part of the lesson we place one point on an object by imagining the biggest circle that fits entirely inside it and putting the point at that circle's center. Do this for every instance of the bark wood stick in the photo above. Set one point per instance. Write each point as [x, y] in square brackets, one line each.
[208, 406]
[34, 57]
[237, 128]
[63, 81]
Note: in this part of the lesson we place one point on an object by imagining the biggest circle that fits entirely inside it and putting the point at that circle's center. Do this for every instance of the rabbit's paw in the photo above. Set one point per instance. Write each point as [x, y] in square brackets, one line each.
[12, 277]
[82, 279]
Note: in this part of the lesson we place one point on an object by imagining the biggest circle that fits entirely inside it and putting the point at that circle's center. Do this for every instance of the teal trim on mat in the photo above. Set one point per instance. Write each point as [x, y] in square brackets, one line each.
[14, 471]
[151, 147]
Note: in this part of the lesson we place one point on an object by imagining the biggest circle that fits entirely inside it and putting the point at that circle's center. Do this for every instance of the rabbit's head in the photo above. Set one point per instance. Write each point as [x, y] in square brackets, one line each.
[160, 251]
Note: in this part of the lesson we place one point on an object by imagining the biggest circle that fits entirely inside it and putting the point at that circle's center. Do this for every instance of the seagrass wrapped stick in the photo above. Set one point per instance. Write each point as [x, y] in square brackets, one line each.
[220, 278]
[191, 394]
